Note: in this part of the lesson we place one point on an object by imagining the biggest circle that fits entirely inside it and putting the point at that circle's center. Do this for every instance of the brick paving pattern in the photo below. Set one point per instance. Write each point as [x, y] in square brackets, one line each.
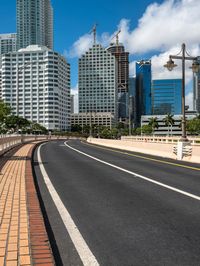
[22, 232]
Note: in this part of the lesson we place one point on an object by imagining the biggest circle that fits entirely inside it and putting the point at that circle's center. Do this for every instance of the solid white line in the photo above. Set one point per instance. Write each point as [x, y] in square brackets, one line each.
[81, 246]
[137, 175]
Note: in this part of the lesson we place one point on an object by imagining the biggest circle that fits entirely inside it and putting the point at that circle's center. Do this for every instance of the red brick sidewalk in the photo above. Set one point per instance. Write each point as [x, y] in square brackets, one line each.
[23, 237]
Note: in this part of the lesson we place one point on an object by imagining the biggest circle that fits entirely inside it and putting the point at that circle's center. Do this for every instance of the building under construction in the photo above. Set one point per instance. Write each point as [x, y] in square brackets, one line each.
[122, 58]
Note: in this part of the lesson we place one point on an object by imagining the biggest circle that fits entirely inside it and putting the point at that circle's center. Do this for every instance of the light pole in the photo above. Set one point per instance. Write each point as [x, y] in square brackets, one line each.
[183, 56]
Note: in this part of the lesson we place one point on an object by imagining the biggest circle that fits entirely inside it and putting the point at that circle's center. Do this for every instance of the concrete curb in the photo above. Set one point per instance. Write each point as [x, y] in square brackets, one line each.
[41, 253]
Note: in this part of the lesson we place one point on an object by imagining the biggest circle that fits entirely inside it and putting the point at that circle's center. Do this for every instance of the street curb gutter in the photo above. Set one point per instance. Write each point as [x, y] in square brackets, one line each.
[41, 252]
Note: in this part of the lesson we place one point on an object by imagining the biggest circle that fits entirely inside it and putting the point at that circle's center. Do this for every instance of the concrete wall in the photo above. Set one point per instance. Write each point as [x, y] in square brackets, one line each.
[157, 149]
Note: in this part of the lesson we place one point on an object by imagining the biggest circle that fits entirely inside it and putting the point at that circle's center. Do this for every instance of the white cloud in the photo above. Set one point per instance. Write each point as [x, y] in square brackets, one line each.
[163, 26]
[160, 31]
[80, 46]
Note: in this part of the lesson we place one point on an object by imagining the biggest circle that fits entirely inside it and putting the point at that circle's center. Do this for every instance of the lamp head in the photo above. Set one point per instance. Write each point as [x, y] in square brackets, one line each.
[195, 66]
[170, 65]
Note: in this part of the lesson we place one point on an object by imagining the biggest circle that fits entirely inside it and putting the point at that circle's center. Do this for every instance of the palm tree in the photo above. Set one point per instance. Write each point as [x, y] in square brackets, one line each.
[169, 121]
[153, 123]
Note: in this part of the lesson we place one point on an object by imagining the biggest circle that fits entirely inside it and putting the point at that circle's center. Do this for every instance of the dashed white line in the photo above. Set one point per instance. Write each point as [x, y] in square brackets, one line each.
[81, 246]
[137, 175]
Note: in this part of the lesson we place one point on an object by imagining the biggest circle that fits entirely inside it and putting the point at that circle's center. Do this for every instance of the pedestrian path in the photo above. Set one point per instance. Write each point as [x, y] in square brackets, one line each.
[15, 234]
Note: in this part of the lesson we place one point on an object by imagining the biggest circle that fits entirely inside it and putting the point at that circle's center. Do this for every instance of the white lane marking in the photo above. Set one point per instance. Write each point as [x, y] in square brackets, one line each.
[81, 246]
[137, 175]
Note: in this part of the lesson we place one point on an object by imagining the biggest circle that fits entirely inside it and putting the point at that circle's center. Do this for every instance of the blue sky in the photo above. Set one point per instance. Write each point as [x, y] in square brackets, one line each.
[150, 29]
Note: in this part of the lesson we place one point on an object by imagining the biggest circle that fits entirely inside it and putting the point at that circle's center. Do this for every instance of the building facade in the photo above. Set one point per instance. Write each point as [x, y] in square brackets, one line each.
[132, 101]
[34, 23]
[196, 90]
[72, 103]
[143, 89]
[36, 84]
[122, 58]
[163, 129]
[166, 96]
[8, 43]
[98, 81]
[92, 118]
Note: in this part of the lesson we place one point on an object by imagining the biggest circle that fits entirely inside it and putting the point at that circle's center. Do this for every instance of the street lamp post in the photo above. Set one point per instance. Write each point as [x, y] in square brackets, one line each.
[183, 56]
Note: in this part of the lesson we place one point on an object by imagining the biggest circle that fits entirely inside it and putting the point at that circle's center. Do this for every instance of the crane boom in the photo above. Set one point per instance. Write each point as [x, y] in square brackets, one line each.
[117, 37]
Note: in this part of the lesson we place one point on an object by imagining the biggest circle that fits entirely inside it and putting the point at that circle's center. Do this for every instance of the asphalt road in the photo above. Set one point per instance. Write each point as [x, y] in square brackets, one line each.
[124, 219]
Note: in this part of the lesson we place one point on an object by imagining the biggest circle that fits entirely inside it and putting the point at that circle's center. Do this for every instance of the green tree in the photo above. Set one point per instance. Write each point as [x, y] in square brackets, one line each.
[138, 131]
[169, 122]
[4, 112]
[105, 133]
[15, 123]
[193, 126]
[86, 129]
[38, 129]
[76, 128]
[153, 122]
[146, 129]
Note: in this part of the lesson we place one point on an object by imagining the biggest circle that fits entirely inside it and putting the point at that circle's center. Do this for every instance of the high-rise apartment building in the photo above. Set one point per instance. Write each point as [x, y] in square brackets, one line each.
[36, 84]
[122, 58]
[72, 103]
[166, 96]
[98, 81]
[34, 23]
[8, 43]
[143, 89]
[196, 90]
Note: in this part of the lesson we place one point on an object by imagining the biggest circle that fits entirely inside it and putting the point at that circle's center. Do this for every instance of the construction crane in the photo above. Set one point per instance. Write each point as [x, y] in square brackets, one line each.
[94, 31]
[117, 37]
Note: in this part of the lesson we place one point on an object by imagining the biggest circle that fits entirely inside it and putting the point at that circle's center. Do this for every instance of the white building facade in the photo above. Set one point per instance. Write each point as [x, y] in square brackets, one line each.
[98, 81]
[89, 119]
[34, 23]
[163, 129]
[8, 43]
[36, 84]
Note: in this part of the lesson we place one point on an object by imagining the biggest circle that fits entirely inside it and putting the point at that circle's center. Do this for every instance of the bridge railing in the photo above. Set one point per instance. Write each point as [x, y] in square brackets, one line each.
[9, 141]
[194, 140]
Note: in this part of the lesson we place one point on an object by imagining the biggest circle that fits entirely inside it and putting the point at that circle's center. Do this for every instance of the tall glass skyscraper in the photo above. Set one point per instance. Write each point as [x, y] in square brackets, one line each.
[34, 23]
[166, 96]
[143, 89]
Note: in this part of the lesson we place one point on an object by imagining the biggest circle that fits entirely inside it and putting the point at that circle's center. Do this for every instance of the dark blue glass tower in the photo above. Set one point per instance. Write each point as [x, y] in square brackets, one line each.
[143, 89]
[166, 96]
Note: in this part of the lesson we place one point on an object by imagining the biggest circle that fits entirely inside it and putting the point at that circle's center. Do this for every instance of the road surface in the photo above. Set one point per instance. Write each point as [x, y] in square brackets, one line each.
[109, 207]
